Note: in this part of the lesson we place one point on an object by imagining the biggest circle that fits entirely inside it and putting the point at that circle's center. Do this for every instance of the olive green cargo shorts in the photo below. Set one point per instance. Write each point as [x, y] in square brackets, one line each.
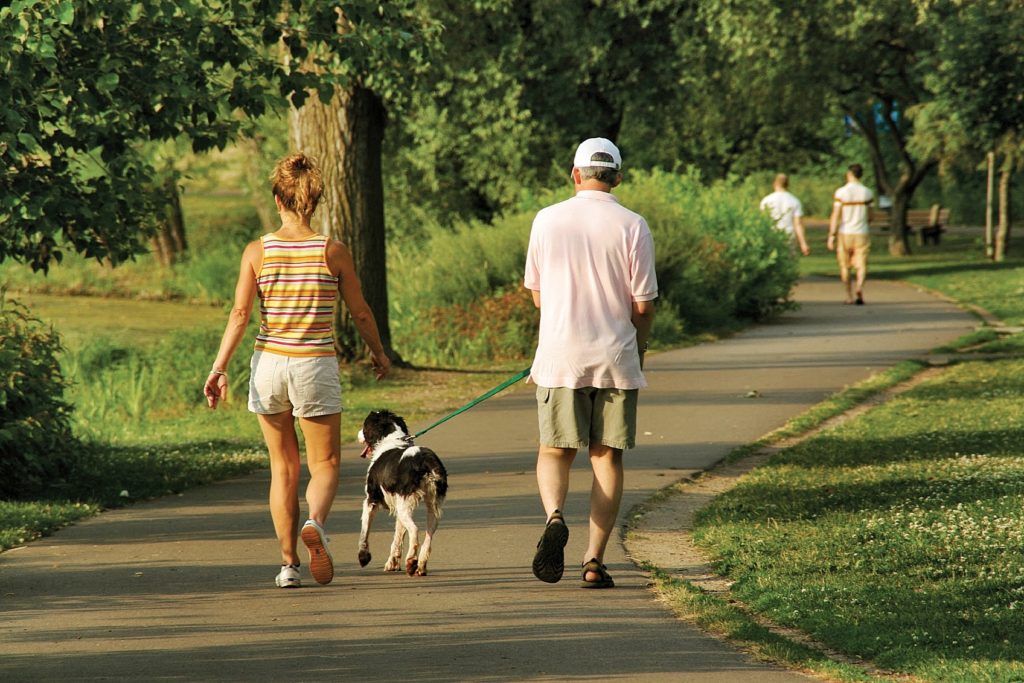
[574, 418]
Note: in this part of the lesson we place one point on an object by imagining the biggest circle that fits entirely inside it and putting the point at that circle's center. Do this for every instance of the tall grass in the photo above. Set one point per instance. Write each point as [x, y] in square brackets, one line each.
[120, 391]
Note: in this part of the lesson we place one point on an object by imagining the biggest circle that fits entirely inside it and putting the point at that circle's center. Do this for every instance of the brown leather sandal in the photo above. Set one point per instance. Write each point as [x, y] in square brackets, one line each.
[604, 580]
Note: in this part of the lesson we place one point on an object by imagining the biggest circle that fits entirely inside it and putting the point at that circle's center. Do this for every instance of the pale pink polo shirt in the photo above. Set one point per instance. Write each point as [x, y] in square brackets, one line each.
[590, 258]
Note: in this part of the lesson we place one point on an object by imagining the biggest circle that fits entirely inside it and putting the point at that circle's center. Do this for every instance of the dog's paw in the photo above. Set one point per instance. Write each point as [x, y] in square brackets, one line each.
[364, 558]
[410, 566]
[391, 565]
[421, 571]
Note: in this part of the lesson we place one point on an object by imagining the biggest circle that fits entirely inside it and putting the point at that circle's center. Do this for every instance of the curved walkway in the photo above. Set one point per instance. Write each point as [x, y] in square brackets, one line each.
[181, 588]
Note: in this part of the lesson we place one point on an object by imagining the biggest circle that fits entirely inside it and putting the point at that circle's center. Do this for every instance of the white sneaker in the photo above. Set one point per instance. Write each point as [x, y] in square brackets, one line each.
[321, 564]
[288, 577]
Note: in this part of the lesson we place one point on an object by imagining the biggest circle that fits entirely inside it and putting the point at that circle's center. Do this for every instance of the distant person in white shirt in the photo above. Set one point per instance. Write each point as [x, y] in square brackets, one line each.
[786, 210]
[848, 231]
[590, 268]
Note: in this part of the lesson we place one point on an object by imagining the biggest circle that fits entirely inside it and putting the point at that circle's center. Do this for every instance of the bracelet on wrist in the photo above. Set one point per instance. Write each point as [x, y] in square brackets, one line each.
[218, 372]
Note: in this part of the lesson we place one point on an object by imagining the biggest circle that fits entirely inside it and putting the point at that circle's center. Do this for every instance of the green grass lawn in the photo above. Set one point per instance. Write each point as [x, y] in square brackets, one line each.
[129, 321]
[897, 537]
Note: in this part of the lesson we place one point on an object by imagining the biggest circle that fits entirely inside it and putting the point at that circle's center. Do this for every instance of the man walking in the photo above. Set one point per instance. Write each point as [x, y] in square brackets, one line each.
[787, 212]
[849, 223]
[590, 267]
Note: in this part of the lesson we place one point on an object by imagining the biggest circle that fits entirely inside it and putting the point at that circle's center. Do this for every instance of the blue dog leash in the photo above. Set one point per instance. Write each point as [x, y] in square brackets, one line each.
[479, 399]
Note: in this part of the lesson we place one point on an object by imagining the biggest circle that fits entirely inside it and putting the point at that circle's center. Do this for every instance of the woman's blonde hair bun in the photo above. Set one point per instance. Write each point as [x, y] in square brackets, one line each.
[297, 183]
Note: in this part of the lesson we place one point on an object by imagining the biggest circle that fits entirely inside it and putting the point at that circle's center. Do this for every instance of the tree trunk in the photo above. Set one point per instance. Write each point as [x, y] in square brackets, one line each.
[899, 242]
[1003, 228]
[169, 241]
[899, 235]
[990, 162]
[345, 137]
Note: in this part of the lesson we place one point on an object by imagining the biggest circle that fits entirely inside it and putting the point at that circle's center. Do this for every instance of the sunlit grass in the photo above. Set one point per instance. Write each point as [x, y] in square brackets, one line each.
[23, 521]
[897, 537]
[129, 321]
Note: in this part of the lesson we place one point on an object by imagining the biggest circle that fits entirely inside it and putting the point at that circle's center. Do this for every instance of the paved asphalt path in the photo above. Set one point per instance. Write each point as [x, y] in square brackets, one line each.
[181, 589]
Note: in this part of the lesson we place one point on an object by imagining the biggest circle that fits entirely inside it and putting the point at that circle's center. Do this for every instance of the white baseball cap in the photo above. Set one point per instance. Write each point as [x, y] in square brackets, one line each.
[588, 148]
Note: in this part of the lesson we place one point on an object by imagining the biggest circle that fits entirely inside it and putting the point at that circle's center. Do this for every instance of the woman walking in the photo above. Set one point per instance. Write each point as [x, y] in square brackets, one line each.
[298, 275]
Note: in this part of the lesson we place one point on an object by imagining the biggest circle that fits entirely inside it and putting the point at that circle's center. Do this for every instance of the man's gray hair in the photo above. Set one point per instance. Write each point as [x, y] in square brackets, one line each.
[600, 173]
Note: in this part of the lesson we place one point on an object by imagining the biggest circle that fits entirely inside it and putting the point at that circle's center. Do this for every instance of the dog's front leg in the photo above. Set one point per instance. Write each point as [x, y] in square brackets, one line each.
[395, 559]
[369, 510]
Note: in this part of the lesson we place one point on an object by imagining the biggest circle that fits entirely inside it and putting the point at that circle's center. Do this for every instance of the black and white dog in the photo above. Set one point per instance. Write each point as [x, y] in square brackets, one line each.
[400, 476]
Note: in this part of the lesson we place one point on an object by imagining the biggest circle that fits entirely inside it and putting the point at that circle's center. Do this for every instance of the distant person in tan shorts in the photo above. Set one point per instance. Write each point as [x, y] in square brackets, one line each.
[848, 232]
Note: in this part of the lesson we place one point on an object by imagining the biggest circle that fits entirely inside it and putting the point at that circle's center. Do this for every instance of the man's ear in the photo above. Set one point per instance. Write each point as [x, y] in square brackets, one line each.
[618, 179]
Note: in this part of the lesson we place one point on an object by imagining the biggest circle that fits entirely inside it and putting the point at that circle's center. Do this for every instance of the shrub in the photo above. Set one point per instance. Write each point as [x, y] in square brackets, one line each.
[495, 327]
[35, 422]
[719, 262]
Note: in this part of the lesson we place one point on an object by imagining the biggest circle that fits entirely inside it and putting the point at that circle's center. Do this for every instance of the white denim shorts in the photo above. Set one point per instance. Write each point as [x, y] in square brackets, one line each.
[309, 387]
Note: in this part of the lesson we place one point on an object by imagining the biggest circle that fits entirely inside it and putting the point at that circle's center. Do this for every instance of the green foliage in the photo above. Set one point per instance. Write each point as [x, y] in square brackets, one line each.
[87, 84]
[719, 259]
[35, 421]
[494, 114]
[977, 66]
[719, 262]
[84, 85]
[736, 106]
[866, 58]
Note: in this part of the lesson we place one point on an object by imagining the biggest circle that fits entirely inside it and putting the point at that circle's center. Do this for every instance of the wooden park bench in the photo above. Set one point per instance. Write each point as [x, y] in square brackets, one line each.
[928, 223]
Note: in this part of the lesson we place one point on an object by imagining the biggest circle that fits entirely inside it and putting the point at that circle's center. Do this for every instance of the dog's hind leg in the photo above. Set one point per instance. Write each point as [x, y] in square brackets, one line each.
[403, 512]
[369, 510]
[395, 558]
[433, 517]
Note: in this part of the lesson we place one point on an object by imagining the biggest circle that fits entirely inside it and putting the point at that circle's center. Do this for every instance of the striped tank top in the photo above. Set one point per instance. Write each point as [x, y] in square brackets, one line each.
[297, 294]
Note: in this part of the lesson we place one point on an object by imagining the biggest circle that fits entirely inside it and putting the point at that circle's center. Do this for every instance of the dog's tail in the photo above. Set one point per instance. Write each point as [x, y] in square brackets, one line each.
[436, 477]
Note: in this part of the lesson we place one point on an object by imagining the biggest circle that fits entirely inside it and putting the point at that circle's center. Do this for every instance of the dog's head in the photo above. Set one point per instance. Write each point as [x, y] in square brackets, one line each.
[378, 425]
